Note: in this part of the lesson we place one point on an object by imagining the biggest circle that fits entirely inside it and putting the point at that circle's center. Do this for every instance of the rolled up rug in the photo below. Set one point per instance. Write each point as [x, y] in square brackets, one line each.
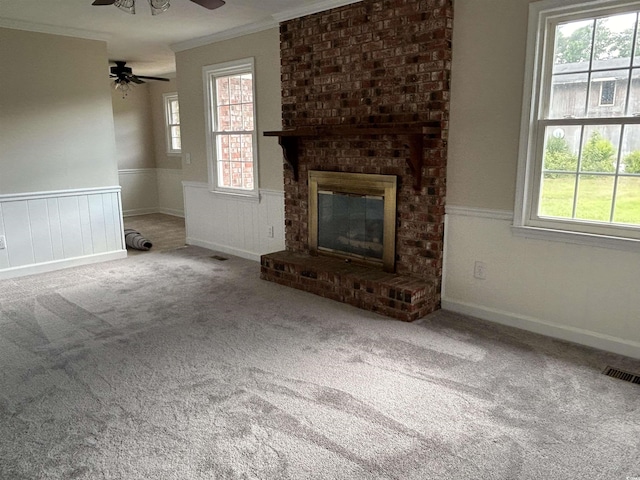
[134, 239]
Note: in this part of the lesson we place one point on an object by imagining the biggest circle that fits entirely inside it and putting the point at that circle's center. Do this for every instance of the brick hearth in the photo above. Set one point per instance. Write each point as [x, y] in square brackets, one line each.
[397, 296]
[371, 63]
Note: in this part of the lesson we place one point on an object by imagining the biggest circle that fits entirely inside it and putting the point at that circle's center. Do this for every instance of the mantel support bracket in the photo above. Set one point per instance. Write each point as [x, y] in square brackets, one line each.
[288, 140]
[290, 152]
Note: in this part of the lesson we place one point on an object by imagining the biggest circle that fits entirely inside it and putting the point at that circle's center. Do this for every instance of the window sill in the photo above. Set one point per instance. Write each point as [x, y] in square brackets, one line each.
[240, 196]
[577, 238]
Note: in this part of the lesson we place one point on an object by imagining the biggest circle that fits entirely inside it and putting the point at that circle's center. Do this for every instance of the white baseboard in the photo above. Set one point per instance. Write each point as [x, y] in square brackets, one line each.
[571, 334]
[60, 264]
[139, 211]
[223, 248]
[172, 212]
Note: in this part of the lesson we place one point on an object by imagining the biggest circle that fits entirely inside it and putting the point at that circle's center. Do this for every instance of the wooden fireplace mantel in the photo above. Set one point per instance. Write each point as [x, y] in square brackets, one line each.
[416, 132]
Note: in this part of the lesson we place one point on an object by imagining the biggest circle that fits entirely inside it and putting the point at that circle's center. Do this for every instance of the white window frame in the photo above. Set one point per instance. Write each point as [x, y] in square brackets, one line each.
[210, 73]
[167, 99]
[543, 15]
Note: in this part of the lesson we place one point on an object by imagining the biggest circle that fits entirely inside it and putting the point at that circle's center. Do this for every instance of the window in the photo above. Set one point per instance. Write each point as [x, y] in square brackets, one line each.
[172, 122]
[232, 127]
[607, 93]
[579, 170]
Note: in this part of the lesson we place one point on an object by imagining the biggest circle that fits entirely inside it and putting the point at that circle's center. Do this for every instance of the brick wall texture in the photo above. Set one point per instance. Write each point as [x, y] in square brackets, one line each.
[370, 63]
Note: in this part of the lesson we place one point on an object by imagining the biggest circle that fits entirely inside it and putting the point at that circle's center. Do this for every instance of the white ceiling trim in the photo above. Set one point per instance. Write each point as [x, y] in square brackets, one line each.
[258, 27]
[54, 30]
[311, 9]
[226, 35]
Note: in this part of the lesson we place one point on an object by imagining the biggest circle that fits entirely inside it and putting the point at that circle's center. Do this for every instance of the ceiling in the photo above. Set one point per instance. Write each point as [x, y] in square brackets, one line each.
[147, 43]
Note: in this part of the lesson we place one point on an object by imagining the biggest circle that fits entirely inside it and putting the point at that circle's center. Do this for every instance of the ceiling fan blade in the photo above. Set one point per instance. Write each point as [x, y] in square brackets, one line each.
[153, 78]
[134, 79]
[210, 4]
[103, 2]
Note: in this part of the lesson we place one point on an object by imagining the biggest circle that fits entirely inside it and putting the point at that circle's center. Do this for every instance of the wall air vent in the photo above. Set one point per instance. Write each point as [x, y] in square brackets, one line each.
[620, 375]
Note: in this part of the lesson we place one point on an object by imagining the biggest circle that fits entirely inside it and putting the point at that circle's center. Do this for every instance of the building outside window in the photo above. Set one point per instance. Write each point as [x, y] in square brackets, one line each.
[172, 122]
[230, 94]
[579, 170]
[607, 93]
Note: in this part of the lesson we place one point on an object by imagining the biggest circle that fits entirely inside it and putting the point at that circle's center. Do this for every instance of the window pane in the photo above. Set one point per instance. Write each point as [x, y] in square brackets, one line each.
[568, 95]
[561, 149]
[236, 117]
[175, 112]
[573, 46]
[636, 56]
[630, 157]
[634, 95]
[222, 91]
[595, 197]
[247, 175]
[608, 93]
[235, 89]
[557, 193]
[600, 148]
[613, 40]
[247, 88]
[224, 118]
[223, 147]
[233, 152]
[628, 201]
[247, 116]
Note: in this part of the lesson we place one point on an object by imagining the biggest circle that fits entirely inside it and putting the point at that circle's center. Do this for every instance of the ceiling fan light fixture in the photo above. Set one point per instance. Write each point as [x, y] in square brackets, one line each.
[122, 85]
[128, 6]
[159, 6]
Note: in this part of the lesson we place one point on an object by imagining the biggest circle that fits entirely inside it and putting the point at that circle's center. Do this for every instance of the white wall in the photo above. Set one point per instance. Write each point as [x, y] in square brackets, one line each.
[226, 222]
[59, 193]
[580, 293]
[56, 123]
[151, 179]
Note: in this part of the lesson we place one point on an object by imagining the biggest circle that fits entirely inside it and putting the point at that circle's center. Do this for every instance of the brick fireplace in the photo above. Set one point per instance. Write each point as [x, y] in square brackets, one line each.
[365, 89]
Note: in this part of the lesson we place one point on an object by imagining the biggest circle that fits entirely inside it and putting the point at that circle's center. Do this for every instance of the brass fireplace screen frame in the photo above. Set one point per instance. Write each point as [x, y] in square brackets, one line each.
[360, 184]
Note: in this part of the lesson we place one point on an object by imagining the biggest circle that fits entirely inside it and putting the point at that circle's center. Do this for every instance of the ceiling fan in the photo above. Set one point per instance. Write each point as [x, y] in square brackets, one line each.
[123, 77]
[157, 6]
[123, 74]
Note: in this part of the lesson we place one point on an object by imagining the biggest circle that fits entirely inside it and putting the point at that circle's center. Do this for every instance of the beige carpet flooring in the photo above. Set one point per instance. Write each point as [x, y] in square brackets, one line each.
[175, 365]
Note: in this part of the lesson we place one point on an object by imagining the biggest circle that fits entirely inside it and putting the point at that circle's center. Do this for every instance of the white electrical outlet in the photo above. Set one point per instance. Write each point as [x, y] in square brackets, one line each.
[3, 242]
[270, 231]
[480, 270]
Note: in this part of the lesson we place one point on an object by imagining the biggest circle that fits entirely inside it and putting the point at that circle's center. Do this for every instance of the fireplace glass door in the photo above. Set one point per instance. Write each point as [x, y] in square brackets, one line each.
[353, 216]
[351, 224]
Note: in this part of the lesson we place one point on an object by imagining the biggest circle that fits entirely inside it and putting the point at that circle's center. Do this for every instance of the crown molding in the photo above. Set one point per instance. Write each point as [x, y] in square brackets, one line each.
[311, 9]
[53, 30]
[226, 35]
[260, 26]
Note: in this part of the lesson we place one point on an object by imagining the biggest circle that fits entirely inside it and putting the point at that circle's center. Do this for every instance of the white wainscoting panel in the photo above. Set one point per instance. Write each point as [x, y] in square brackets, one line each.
[50, 230]
[580, 293]
[234, 225]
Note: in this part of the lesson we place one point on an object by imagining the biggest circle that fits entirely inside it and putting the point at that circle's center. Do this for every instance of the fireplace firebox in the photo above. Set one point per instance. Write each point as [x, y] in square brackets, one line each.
[353, 216]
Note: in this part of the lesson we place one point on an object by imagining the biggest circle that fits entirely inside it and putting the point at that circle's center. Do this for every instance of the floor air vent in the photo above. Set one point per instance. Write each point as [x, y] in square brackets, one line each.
[620, 375]
[219, 257]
